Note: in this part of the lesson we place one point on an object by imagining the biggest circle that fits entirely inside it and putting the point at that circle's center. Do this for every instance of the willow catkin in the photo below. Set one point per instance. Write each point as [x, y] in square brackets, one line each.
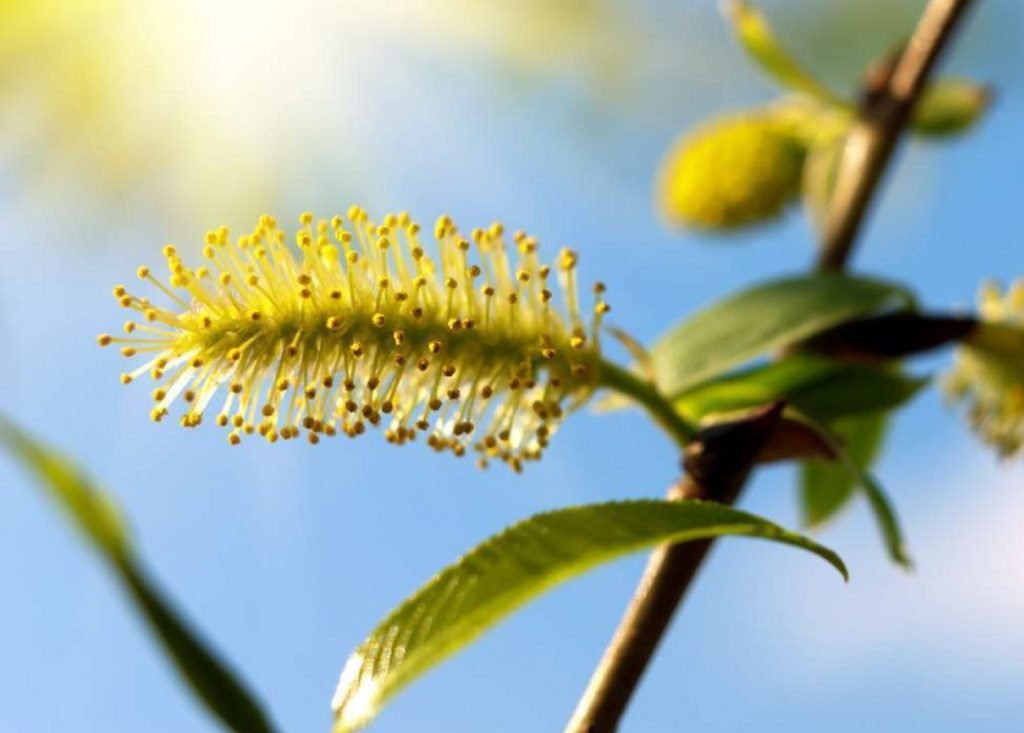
[357, 325]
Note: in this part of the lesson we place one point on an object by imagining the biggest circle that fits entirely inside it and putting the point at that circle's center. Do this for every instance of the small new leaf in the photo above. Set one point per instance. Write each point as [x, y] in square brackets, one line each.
[758, 40]
[950, 107]
[505, 572]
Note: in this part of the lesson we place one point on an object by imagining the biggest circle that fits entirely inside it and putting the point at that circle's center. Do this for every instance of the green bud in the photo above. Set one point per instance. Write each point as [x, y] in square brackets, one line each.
[950, 106]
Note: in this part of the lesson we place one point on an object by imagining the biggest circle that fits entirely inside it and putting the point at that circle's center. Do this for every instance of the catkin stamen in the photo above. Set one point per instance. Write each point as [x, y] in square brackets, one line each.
[323, 334]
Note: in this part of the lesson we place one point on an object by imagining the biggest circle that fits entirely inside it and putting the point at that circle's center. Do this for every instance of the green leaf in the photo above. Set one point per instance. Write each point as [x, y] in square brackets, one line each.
[506, 571]
[762, 319]
[97, 517]
[856, 389]
[759, 41]
[827, 487]
[825, 388]
[950, 107]
[888, 522]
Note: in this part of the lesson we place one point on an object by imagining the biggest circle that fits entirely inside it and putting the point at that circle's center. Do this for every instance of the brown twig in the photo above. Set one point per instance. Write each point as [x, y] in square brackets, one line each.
[873, 139]
[717, 464]
[720, 474]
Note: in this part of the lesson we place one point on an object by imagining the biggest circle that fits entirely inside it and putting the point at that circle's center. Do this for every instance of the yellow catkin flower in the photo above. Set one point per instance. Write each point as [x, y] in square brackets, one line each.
[356, 325]
[731, 172]
[988, 374]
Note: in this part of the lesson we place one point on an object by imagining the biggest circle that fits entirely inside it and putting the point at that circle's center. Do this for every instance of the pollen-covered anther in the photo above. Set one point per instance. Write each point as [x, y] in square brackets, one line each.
[350, 324]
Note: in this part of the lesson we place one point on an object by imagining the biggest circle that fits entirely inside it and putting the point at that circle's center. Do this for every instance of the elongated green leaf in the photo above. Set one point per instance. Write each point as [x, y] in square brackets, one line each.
[950, 106]
[764, 318]
[856, 389]
[827, 487]
[888, 522]
[97, 517]
[506, 571]
[758, 39]
[824, 388]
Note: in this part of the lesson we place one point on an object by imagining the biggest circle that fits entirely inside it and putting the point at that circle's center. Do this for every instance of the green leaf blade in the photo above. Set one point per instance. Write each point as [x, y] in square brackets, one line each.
[97, 517]
[888, 522]
[827, 487]
[764, 318]
[508, 570]
[759, 41]
[826, 389]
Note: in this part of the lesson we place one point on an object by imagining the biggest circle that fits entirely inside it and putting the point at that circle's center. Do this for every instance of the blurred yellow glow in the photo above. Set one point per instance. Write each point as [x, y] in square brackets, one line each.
[210, 108]
[204, 104]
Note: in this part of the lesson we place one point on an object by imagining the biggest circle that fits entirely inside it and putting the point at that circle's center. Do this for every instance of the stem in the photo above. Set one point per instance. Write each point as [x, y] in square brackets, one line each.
[625, 382]
[873, 139]
[672, 568]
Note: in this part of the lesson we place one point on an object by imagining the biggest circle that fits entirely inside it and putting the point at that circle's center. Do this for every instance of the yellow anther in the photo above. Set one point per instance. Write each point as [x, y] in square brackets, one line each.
[288, 314]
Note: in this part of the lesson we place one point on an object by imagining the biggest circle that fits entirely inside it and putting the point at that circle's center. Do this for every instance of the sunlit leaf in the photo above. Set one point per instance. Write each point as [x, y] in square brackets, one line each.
[950, 106]
[758, 39]
[762, 319]
[506, 571]
[95, 514]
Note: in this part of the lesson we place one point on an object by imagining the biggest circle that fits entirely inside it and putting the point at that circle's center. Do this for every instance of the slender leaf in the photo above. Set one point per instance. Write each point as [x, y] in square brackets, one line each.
[758, 39]
[95, 514]
[857, 389]
[827, 487]
[885, 516]
[506, 571]
[766, 317]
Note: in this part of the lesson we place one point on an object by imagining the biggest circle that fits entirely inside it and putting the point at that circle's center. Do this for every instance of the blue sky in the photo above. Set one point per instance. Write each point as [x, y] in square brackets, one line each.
[286, 556]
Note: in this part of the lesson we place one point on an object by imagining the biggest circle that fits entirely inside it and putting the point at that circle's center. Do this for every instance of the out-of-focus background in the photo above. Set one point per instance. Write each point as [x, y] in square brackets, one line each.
[126, 125]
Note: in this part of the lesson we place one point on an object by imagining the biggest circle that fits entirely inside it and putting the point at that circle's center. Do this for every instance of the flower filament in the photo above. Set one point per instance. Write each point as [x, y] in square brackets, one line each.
[356, 325]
